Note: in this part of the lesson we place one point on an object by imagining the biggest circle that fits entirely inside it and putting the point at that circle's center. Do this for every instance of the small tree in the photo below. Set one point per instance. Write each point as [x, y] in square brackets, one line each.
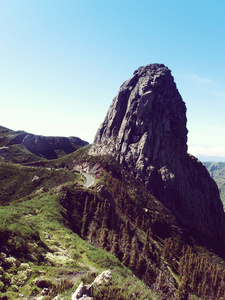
[103, 238]
[115, 245]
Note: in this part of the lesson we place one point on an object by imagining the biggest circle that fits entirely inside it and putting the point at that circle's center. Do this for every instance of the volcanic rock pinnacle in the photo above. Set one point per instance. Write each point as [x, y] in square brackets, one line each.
[145, 130]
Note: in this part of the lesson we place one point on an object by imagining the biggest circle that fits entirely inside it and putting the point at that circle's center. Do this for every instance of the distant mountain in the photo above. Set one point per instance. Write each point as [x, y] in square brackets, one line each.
[15, 144]
[211, 158]
[217, 172]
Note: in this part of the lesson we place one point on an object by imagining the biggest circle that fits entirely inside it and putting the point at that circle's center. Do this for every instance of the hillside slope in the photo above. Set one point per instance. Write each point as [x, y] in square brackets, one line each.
[16, 146]
[55, 231]
[217, 172]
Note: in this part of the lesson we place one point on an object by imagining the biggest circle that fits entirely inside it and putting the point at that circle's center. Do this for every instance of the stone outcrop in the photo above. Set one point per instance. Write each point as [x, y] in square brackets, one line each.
[83, 292]
[145, 130]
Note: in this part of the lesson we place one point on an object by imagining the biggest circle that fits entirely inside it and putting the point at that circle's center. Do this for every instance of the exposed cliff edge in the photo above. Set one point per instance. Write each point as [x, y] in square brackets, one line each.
[145, 130]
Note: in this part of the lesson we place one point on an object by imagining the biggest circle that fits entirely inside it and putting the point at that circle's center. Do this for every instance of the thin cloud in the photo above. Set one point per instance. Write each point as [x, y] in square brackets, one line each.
[222, 95]
[202, 79]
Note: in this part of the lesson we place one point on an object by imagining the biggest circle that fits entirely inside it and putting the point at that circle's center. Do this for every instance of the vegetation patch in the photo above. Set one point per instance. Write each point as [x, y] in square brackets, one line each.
[56, 231]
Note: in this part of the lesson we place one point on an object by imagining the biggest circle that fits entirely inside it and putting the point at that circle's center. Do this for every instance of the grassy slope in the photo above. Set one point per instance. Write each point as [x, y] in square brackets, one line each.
[20, 181]
[42, 222]
[14, 153]
[19, 154]
[47, 239]
[34, 229]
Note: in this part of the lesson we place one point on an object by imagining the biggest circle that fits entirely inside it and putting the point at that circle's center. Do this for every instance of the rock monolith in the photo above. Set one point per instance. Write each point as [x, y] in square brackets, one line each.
[145, 130]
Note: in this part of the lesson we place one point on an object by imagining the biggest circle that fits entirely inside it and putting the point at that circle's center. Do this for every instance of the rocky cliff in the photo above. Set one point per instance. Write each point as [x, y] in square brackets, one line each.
[145, 130]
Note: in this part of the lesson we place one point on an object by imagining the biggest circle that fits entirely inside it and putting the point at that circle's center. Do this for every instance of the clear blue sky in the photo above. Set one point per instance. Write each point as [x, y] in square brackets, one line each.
[62, 62]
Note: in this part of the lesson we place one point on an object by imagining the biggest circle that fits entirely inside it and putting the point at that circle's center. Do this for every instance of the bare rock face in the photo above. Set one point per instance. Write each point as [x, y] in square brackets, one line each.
[145, 130]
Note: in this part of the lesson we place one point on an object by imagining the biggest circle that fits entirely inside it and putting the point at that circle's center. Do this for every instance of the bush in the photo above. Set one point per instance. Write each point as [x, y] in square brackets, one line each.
[1, 286]
[89, 278]
[14, 288]
[23, 267]
[34, 291]
[61, 287]
[108, 291]
[6, 278]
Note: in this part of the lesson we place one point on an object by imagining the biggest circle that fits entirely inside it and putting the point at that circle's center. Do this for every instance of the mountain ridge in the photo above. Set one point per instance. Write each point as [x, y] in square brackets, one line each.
[46, 147]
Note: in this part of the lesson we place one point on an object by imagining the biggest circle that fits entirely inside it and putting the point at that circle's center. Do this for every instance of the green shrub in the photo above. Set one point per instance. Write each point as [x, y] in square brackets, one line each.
[6, 278]
[108, 291]
[89, 278]
[1, 286]
[23, 267]
[21, 277]
[34, 291]
[59, 288]
[14, 288]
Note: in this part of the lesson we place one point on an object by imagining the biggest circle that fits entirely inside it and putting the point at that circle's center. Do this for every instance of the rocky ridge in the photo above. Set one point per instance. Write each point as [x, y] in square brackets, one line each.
[50, 147]
[145, 130]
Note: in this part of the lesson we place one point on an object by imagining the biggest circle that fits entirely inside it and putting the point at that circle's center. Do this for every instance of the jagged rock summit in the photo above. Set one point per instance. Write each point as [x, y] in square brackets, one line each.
[145, 130]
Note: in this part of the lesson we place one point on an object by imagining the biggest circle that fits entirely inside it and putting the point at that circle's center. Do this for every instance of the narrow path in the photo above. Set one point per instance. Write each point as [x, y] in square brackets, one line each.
[90, 180]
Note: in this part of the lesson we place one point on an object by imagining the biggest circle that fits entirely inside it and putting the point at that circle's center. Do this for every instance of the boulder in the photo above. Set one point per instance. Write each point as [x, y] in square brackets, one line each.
[83, 291]
[105, 276]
